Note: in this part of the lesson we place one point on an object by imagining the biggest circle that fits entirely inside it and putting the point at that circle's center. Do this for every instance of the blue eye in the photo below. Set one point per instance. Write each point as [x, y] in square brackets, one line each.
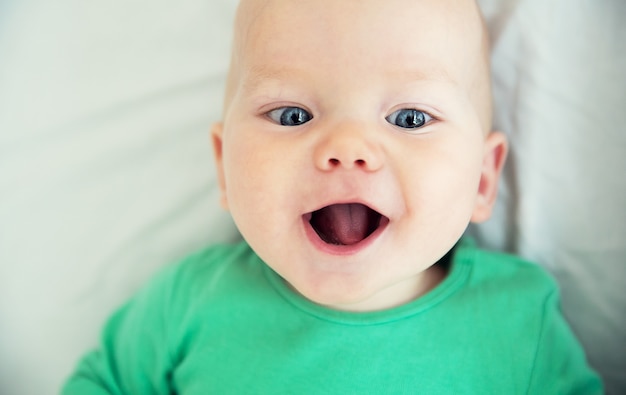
[409, 118]
[290, 116]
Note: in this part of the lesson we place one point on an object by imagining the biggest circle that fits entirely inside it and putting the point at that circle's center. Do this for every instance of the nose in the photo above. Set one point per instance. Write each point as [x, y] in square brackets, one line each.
[349, 146]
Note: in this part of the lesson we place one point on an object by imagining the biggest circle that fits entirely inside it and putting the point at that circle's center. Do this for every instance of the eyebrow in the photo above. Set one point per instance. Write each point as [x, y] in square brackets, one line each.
[435, 74]
[258, 74]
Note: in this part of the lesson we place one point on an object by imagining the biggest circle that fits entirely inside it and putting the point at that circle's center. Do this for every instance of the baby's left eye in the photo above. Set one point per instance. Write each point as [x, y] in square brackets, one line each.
[409, 118]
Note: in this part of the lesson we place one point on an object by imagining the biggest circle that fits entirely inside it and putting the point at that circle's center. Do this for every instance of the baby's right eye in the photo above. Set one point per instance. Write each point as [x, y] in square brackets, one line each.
[290, 116]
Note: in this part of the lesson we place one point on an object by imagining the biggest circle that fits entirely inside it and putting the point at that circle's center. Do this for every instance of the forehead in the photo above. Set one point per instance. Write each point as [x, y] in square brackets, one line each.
[418, 37]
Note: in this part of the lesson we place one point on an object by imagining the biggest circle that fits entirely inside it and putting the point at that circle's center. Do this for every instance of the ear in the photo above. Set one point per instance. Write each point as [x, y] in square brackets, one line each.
[496, 149]
[216, 138]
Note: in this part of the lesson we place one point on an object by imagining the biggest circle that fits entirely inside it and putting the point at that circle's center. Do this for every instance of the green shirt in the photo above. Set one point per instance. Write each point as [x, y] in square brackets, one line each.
[222, 322]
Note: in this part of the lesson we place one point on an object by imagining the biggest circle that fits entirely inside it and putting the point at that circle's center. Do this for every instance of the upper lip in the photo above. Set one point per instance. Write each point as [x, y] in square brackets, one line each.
[370, 205]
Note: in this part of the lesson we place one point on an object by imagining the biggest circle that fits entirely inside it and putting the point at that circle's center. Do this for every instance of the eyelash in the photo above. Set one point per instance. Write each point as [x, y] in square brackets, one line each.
[292, 116]
[419, 118]
[281, 114]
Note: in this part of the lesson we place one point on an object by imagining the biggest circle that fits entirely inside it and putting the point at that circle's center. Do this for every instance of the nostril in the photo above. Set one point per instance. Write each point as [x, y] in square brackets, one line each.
[336, 162]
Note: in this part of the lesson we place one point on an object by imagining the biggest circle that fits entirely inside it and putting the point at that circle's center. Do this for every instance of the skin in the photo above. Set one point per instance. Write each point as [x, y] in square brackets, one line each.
[351, 64]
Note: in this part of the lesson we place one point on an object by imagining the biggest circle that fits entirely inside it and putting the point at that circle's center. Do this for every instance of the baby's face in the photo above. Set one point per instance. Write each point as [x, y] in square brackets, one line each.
[354, 148]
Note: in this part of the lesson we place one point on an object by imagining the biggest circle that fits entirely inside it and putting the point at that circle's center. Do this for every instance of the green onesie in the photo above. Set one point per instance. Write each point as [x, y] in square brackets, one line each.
[222, 322]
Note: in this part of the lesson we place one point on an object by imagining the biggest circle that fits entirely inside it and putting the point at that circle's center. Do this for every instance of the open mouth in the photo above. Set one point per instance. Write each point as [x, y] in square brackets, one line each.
[346, 224]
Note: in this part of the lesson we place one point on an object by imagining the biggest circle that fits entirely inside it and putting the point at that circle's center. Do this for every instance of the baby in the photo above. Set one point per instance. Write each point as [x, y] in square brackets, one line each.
[355, 148]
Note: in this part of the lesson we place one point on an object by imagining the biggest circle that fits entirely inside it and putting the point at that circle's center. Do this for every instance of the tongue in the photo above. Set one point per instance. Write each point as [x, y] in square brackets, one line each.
[344, 224]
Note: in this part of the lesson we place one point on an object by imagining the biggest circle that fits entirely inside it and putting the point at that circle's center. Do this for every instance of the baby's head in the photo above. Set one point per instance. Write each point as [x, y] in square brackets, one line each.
[355, 146]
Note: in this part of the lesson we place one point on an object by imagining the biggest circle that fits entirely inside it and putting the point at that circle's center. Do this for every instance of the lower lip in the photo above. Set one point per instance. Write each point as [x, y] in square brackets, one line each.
[342, 250]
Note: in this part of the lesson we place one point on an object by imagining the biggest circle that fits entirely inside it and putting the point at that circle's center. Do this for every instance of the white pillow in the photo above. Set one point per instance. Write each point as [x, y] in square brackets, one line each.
[106, 169]
[560, 91]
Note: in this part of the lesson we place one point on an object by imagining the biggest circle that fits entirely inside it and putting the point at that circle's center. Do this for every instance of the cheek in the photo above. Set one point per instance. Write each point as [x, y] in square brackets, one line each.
[443, 181]
[244, 171]
[257, 178]
[245, 163]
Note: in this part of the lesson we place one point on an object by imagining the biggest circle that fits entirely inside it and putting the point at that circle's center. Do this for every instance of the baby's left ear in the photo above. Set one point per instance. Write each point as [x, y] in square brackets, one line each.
[496, 149]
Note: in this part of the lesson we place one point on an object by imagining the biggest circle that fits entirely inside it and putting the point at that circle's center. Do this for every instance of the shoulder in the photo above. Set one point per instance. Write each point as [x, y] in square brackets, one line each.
[506, 301]
[216, 257]
[506, 272]
[215, 264]
[513, 304]
[204, 272]
[506, 286]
